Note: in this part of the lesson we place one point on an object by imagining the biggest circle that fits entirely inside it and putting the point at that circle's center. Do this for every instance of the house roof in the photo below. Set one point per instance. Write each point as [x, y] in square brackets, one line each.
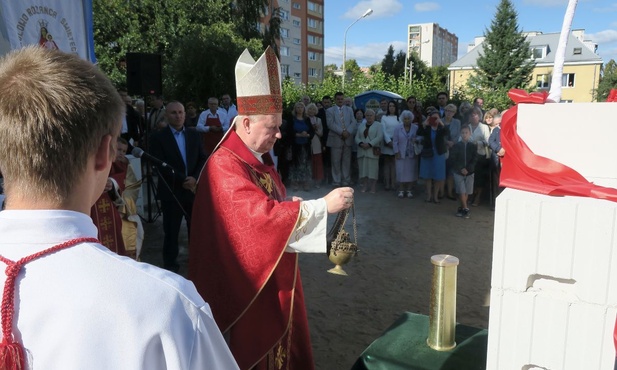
[550, 40]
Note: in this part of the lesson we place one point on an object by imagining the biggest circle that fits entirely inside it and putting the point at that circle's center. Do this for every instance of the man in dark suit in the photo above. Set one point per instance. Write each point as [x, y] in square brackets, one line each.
[182, 150]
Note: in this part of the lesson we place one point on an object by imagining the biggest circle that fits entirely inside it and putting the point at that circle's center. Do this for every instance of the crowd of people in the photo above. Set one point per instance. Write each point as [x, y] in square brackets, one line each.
[395, 145]
[223, 169]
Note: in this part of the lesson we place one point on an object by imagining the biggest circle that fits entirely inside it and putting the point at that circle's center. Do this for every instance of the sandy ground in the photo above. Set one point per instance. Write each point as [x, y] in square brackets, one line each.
[391, 274]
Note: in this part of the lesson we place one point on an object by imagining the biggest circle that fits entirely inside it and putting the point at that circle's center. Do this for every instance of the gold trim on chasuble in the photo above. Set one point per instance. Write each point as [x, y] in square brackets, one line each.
[302, 224]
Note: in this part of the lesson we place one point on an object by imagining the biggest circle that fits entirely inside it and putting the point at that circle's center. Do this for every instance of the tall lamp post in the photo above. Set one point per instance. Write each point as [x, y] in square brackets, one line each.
[366, 14]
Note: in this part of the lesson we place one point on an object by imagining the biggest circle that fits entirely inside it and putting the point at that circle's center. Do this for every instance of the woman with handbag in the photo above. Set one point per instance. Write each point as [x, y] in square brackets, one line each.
[479, 136]
[433, 155]
[369, 137]
[301, 133]
[406, 159]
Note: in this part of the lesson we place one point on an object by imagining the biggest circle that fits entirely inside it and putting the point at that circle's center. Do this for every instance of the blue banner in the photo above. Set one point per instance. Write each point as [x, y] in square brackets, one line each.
[53, 24]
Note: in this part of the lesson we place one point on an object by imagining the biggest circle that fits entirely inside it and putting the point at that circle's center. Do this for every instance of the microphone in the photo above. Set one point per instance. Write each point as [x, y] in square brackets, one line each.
[139, 153]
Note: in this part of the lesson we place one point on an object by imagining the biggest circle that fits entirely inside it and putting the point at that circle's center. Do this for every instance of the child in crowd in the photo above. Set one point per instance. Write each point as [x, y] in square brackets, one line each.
[463, 156]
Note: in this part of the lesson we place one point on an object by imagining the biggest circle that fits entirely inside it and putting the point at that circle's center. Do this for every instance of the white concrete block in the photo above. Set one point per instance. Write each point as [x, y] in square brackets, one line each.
[554, 131]
[537, 330]
[563, 244]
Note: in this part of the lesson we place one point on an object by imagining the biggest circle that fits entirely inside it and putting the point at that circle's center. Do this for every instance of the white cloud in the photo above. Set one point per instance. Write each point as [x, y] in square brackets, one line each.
[602, 37]
[426, 7]
[366, 55]
[607, 43]
[381, 9]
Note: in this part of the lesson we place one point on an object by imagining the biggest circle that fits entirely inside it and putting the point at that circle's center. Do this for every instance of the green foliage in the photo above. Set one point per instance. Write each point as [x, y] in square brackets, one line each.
[608, 80]
[505, 60]
[425, 85]
[497, 99]
[387, 64]
[392, 65]
[199, 41]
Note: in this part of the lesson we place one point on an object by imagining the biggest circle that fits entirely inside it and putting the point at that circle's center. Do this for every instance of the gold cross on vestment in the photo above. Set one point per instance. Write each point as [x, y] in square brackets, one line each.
[105, 223]
[104, 206]
[280, 357]
[266, 182]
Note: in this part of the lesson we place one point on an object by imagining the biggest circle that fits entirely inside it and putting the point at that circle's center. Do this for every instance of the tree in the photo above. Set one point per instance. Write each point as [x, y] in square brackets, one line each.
[398, 69]
[608, 80]
[199, 41]
[504, 62]
[419, 69]
[387, 64]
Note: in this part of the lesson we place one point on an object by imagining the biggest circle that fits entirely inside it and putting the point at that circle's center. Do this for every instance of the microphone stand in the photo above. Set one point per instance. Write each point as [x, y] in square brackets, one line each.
[187, 217]
[150, 188]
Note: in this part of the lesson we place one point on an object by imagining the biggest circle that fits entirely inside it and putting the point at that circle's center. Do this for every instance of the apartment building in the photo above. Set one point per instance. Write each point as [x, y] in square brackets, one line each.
[302, 39]
[433, 44]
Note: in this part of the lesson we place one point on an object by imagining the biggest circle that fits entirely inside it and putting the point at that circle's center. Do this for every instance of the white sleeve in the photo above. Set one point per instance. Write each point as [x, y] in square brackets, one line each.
[210, 351]
[309, 236]
[224, 117]
[201, 122]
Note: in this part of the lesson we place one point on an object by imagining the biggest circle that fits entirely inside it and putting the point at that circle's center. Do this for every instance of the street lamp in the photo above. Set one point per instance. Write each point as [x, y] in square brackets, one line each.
[366, 14]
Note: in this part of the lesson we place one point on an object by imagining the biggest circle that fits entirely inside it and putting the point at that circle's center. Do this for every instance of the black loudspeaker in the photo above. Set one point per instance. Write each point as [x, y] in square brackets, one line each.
[143, 74]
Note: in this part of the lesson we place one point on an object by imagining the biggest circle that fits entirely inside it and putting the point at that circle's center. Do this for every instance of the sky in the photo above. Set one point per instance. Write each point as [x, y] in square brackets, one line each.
[369, 38]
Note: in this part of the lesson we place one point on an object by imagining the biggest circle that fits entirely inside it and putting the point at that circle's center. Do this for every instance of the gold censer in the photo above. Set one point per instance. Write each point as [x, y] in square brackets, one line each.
[340, 248]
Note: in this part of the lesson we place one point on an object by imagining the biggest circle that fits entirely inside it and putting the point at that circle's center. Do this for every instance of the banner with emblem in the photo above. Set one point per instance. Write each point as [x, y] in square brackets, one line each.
[53, 24]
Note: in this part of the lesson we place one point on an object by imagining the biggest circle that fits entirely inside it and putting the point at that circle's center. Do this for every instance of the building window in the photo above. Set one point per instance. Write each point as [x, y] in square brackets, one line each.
[284, 51]
[297, 58]
[284, 32]
[312, 55]
[314, 40]
[314, 7]
[284, 14]
[542, 81]
[285, 69]
[567, 80]
[312, 23]
[578, 51]
[297, 74]
[296, 23]
[538, 52]
[313, 72]
[296, 5]
[297, 41]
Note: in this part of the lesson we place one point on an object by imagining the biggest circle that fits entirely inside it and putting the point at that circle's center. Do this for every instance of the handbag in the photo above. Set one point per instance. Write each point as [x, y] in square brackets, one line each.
[417, 148]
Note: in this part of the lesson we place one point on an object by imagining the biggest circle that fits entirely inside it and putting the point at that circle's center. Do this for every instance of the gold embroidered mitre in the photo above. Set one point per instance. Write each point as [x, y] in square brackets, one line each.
[258, 84]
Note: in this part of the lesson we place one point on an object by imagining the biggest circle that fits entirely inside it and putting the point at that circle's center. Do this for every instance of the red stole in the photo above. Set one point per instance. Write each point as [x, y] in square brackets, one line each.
[237, 260]
[210, 139]
[105, 215]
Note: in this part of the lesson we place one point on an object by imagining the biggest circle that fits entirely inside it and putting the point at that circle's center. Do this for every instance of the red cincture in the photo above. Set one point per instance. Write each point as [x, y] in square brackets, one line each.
[11, 352]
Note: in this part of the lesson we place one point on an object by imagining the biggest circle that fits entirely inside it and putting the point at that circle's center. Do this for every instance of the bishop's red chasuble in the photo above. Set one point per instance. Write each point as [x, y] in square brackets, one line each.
[240, 229]
[105, 215]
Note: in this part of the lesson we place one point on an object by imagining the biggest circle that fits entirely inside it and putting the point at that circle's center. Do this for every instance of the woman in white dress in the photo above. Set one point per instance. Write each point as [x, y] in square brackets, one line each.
[389, 122]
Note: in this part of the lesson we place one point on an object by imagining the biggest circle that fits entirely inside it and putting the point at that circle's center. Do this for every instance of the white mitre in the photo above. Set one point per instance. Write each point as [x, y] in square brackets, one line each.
[258, 84]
